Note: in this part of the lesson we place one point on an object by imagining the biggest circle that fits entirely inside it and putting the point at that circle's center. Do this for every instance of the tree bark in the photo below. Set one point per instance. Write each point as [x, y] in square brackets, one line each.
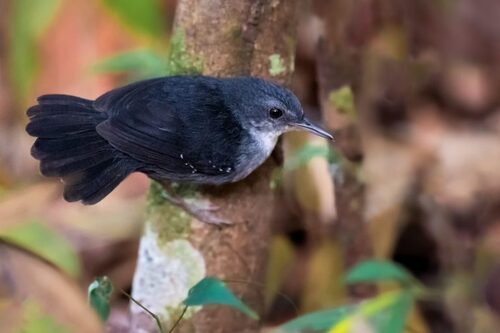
[228, 38]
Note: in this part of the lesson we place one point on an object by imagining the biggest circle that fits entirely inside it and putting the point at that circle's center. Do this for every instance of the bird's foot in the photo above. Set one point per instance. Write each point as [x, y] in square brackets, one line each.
[202, 209]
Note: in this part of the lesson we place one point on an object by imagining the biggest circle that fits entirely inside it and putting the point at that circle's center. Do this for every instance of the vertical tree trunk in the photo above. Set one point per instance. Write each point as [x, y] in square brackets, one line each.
[239, 37]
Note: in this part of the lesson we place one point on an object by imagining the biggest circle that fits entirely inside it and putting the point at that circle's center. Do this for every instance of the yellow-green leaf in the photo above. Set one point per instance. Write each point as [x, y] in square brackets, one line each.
[35, 321]
[29, 19]
[343, 100]
[385, 313]
[318, 321]
[45, 243]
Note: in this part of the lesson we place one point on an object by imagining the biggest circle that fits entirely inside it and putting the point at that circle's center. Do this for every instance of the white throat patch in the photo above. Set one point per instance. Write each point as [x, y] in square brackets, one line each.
[266, 140]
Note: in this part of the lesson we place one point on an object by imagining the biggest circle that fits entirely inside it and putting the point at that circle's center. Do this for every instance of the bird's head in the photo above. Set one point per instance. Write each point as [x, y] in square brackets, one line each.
[267, 107]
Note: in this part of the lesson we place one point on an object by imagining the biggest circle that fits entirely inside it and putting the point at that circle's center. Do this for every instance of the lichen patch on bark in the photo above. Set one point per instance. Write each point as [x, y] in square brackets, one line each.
[166, 220]
[164, 275]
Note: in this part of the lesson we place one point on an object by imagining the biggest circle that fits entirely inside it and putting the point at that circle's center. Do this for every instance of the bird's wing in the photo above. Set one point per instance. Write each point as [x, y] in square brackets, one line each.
[178, 129]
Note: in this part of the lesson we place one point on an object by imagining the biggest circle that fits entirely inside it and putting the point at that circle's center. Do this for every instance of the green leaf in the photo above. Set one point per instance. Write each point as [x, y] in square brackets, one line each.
[141, 63]
[99, 292]
[142, 16]
[305, 154]
[44, 242]
[393, 318]
[318, 321]
[343, 100]
[35, 321]
[379, 270]
[29, 20]
[211, 290]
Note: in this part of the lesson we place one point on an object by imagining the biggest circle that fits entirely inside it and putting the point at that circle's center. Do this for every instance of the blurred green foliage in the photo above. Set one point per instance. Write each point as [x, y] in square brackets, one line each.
[379, 270]
[302, 156]
[142, 16]
[318, 321]
[147, 63]
[385, 313]
[29, 20]
[35, 321]
[343, 100]
[141, 63]
[45, 243]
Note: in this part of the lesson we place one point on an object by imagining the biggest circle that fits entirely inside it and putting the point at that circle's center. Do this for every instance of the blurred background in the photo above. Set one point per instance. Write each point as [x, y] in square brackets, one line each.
[411, 91]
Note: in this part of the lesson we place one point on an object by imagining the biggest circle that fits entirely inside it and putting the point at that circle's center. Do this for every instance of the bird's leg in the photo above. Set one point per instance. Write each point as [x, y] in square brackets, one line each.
[187, 198]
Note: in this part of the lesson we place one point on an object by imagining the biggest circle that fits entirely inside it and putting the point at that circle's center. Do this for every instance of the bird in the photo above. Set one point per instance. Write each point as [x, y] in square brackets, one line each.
[189, 129]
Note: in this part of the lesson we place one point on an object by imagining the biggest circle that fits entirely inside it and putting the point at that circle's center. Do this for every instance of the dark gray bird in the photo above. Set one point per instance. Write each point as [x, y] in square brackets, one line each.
[193, 129]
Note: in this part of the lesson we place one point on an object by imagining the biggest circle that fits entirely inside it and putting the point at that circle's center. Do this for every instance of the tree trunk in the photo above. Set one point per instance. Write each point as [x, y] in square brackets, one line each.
[243, 37]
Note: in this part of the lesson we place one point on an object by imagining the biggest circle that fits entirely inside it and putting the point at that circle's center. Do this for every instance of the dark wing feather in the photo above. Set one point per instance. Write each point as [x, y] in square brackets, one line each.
[179, 127]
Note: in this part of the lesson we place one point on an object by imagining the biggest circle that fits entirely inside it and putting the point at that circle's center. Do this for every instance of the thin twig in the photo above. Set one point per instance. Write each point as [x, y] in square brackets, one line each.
[157, 319]
[178, 319]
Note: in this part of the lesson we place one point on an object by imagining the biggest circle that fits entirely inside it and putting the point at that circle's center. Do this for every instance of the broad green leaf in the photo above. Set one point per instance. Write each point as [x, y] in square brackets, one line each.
[141, 63]
[379, 270]
[318, 321]
[35, 321]
[99, 292]
[343, 100]
[29, 19]
[44, 242]
[305, 154]
[211, 290]
[143, 16]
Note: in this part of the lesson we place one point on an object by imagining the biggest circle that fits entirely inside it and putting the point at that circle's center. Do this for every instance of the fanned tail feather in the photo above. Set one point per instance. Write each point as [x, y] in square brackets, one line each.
[69, 147]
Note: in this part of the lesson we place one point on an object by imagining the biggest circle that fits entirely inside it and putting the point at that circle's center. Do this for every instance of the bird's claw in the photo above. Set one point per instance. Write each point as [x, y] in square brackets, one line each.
[201, 209]
[201, 204]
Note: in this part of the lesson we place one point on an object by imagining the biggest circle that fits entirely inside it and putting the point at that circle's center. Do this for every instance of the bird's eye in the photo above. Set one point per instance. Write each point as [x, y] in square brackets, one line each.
[275, 113]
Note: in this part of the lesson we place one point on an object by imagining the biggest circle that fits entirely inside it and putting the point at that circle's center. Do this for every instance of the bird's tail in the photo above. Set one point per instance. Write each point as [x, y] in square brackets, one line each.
[69, 147]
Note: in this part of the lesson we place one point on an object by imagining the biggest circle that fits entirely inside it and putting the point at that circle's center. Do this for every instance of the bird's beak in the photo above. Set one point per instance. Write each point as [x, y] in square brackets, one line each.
[308, 126]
